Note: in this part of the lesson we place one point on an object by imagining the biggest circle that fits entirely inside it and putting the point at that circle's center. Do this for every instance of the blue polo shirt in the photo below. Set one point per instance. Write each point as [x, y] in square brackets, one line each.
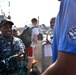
[65, 29]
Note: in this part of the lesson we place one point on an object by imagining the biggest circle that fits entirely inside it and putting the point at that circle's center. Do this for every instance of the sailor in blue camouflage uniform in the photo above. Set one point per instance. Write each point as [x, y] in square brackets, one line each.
[10, 47]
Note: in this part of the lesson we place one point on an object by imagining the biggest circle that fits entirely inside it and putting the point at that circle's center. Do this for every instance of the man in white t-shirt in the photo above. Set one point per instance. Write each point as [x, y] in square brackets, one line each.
[31, 49]
[35, 32]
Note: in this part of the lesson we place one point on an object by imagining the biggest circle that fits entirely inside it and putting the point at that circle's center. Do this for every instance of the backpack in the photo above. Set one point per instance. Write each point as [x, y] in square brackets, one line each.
[25, 36]
[40, 36]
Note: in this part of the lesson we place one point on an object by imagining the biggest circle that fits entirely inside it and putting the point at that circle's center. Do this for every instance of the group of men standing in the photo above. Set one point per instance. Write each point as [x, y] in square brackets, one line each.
[63, 46]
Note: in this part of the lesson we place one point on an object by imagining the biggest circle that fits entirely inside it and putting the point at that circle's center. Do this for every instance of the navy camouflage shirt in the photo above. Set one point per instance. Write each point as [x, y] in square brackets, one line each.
[11, 47]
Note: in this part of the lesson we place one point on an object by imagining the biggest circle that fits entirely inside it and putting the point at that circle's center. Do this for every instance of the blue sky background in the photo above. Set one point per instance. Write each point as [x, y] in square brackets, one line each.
[22, 11]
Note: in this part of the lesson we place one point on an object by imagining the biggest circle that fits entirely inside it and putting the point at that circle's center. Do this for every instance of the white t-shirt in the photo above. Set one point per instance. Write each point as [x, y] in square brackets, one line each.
[34, 31]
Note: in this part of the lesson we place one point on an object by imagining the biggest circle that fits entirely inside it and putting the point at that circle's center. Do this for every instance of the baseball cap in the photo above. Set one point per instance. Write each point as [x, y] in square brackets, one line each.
[6, 21]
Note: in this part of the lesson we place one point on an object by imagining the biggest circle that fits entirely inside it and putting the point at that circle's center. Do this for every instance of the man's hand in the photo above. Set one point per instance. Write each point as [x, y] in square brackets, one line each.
[20, 55]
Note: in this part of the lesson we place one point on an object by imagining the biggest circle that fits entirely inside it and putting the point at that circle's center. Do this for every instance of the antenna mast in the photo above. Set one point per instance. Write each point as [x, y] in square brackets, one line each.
[9, 17]
[38, 20]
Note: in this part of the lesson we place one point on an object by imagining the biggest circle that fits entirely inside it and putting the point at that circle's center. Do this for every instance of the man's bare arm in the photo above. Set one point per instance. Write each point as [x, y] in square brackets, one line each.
[65, 65]
[35, 38]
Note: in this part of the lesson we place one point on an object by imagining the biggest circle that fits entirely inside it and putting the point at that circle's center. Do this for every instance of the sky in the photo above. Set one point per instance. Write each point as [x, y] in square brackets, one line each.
[22, 11]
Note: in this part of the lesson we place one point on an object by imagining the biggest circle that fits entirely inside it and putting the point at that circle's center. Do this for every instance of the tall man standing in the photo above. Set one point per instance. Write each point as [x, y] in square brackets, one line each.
[31, 49]
[64, 43]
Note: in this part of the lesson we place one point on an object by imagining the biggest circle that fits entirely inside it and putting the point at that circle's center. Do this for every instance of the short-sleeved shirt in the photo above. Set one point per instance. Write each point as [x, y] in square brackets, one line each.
[10, 48]
[65, 29]
[35, 30]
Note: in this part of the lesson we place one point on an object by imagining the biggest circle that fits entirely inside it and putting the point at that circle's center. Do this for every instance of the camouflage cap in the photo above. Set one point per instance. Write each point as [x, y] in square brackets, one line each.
[6, 21]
